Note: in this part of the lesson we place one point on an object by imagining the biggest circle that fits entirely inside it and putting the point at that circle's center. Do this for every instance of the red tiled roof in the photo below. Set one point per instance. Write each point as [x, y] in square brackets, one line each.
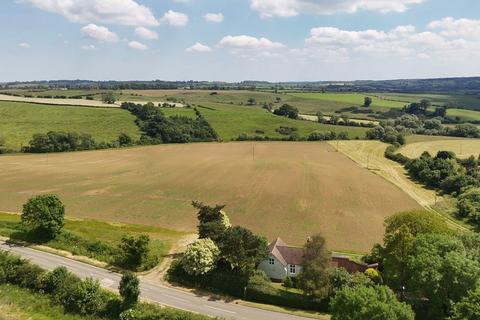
[284, 253]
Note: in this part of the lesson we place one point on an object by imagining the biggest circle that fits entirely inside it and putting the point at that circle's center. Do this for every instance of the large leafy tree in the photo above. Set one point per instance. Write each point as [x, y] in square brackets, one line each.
[316, 260]
[367, 101]
[44, 215]
[369, 303]
[443, 269]
[200, 257]
[243, 249]
[212, 221]
[400, 233]
[468, 308]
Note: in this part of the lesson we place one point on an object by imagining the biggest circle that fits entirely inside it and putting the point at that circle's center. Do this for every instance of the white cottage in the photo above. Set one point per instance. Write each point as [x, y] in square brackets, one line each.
[283, 261]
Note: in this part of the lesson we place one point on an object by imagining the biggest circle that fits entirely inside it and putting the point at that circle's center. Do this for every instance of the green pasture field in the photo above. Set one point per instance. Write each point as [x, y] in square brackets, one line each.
[20, 121]
[451, 100]
[464, 114]
[231, 121]
[349, 99]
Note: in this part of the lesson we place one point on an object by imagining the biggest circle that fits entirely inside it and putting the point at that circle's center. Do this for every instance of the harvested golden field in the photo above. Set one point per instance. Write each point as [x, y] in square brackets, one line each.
[370, 155]
[463, 148]
[282, 189]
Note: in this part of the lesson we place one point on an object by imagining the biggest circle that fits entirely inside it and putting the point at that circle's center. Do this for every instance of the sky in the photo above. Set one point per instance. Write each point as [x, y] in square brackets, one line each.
[235, 40]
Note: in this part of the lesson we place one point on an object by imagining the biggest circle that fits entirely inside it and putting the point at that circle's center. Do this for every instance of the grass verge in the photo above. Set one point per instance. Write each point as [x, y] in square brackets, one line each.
[93, 239]
[21, 304]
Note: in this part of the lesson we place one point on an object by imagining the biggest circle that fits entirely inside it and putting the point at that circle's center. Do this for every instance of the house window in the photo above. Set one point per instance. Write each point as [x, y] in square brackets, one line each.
[271, 261]
[293, 269]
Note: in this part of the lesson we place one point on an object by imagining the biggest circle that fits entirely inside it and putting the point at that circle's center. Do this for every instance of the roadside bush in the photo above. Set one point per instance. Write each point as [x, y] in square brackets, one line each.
[144, 311]
[135, 253]
[129, 289]
[222, 279]
[200, 257]
[26, 275]
[86, 298]
[270, 295]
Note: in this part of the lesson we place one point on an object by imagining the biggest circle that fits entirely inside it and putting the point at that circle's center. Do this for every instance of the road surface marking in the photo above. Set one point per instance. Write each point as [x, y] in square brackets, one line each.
[173, 297]
[107, 282]
[223, 310]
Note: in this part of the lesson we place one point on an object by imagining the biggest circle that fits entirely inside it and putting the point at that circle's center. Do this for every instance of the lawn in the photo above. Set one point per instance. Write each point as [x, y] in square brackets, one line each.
[21, 304]
[286, 189]
[84, 237]
[20, 121]
[231, 121]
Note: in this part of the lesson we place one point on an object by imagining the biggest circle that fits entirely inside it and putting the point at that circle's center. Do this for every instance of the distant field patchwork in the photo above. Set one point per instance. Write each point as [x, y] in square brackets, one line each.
[286, 189]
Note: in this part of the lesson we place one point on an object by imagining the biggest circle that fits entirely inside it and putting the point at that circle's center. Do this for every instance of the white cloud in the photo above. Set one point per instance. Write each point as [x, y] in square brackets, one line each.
[248, 42]
[251, 48]
[199, 47]
[89, 47]
[214, 17]
[289, 8]
[99, 33]
[146, 33]
[137, 45]
[122, 12]
[451, 27]
[404, 41]
[176, 19]
[24, 45]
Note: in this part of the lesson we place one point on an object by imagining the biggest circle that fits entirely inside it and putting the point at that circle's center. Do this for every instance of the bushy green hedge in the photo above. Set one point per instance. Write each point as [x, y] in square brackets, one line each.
[225, 281]
[390, 153]
[220, 280]
[84, 297]
[284, 298]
